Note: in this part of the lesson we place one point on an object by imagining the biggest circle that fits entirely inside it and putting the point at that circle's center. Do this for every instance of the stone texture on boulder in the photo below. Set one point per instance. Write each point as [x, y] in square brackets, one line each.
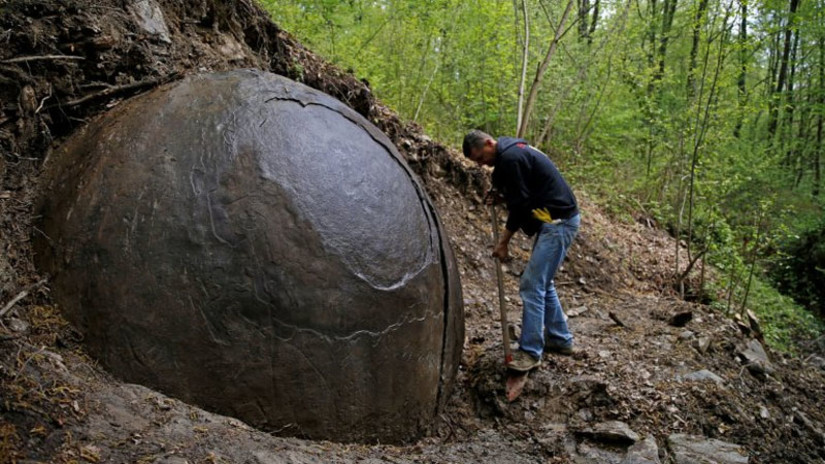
[253, 246]
[694, 449]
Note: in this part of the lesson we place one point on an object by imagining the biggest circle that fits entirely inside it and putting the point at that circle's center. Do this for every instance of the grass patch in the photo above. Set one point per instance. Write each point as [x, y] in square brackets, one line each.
[784, 322]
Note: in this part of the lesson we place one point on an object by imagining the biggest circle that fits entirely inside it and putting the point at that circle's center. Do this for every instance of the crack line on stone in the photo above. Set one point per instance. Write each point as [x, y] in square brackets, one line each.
[208, 324]
[419, 190]
[356, 334]
[407, 319]
[212, 222]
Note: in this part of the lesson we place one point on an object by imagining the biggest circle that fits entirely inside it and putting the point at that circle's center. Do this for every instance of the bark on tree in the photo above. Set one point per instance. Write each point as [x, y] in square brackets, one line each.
[783, 70]
[651, 39]
[584, 23]
[773, 65]
[648, 103]
[668, 12]
[524, 57]
[790, 104]
[741, 81]
[819, 122]
[593, 22]
[800, 148]
[694, 49]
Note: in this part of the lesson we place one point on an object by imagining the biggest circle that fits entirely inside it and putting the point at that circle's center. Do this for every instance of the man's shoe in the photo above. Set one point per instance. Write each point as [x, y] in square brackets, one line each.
[523, 362]
[554, 347]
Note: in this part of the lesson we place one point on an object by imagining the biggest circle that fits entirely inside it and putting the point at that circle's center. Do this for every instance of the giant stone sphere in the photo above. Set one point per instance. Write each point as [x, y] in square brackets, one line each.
[253, 246]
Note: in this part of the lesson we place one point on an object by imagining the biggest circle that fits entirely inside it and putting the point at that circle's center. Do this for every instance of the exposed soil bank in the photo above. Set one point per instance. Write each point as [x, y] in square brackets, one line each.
[59, 407]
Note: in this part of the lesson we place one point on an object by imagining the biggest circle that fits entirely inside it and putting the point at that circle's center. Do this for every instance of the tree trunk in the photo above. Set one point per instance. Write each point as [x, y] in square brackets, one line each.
[584, 23]
[790, 104]
[534, 87]
[701, 126]
[651, 51]
[754, 256]
[773, 64]
[668, 11]
[694, 48]
[783, 71]
[733, 279]
[647, 104]
[818, 156]
[593, 22]
[701, 294]
[426, 90]
[803, 136]
[819, 122]
[679, 219]
[422, 64]
[524, 56]
[741, 82]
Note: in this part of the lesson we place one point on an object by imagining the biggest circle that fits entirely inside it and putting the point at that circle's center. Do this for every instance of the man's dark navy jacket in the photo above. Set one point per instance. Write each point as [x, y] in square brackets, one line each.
[531, 185]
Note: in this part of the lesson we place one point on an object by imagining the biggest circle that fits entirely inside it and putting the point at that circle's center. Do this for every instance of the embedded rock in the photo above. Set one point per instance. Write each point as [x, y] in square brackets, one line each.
[643, 452]
[693, 449]
[704, 375]
[611, 432]
[149, 17]
[253, 246]
[755, 358]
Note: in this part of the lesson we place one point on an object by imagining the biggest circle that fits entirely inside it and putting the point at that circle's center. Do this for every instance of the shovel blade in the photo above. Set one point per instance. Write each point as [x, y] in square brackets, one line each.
[515, 384]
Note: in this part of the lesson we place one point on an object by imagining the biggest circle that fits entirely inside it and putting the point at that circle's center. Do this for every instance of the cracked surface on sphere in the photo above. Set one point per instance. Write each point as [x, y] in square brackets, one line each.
[253, 246]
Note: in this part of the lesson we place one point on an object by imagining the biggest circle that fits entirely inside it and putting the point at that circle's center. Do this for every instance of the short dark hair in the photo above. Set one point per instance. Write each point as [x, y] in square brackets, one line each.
[474, 139]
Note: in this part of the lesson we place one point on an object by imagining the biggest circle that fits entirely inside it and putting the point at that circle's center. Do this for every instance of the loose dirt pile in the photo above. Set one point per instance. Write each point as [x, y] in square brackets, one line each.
[63, 62]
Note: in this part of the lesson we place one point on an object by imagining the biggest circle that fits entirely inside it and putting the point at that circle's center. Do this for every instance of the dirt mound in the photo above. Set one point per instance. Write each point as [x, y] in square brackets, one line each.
[58, 407]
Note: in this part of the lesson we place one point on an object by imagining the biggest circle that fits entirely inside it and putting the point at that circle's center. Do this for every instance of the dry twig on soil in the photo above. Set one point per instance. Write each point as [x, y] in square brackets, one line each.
[110, 91]
[20, 296]
[25, 59]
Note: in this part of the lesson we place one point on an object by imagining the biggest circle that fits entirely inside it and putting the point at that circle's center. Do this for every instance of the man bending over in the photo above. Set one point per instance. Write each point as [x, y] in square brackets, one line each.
[540, 203]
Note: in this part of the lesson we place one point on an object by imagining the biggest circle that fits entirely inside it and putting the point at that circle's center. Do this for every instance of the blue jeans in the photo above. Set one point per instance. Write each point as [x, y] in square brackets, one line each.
[542, 308]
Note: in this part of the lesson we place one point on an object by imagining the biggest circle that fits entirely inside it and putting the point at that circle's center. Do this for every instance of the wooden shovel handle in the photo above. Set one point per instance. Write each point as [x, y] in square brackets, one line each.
[502, 308]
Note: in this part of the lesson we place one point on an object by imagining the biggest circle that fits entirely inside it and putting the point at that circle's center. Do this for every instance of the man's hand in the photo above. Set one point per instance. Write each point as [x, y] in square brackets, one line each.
[493, 198]
[502, 252]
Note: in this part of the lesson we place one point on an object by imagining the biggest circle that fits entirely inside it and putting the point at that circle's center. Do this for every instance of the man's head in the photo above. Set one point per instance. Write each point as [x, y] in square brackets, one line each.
[480, 147]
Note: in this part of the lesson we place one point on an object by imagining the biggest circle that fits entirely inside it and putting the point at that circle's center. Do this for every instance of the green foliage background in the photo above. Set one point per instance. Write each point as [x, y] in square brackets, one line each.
[666, 123]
